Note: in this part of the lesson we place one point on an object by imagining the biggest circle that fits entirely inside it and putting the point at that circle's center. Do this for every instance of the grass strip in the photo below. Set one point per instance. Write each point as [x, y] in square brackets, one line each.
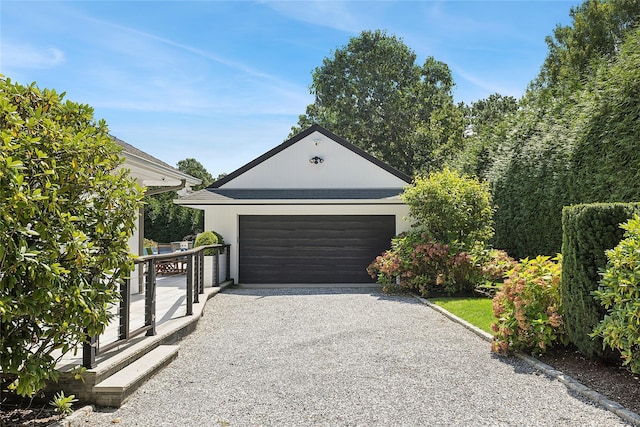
[477, 311]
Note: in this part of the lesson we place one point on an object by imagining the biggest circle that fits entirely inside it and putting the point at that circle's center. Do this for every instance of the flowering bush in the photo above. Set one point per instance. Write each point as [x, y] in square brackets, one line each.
[417, 263]
[528, 308]
[493, 266]
[619, 293]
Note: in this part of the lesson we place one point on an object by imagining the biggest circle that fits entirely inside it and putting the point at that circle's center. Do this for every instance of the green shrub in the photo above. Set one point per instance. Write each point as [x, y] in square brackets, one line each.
[451, 208]
[67, 210]
[206, 238]
[219, 237]
[588, 231]
[619, 294]
[415, 263]
[529, 309]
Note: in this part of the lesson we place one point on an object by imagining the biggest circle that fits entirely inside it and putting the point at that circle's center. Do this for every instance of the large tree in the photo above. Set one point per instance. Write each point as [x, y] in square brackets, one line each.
[372, 93]
[67, 210]
[164, 221]
[576, 51]
[486, 122]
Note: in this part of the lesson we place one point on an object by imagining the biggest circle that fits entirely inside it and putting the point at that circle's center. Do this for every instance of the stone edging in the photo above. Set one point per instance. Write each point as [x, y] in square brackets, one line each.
[76, 419]
[605, 402]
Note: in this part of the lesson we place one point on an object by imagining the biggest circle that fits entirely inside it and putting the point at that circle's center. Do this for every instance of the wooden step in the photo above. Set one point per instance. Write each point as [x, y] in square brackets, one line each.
[114, 390]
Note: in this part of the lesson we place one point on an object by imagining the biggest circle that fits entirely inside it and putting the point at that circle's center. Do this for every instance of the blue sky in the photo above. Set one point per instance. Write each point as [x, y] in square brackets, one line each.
[224, 81]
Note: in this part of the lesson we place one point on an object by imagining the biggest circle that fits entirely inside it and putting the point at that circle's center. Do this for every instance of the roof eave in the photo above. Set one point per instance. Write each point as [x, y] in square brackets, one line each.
[164, 172]
[200, 202]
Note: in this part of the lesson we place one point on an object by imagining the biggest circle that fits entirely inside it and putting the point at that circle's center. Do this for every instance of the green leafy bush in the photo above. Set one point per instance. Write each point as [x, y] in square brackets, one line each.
[451, 208]
[67, 211]
[206, 238]
[588, 231]
[619, 294]
[416, 263]
[529, 309]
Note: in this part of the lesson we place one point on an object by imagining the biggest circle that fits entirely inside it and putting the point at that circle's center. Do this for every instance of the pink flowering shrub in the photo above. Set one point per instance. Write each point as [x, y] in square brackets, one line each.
[493, 266]
[416, 263]
[528, 308]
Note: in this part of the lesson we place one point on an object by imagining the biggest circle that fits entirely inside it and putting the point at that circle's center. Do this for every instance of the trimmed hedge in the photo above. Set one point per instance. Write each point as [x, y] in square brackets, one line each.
[588, 231]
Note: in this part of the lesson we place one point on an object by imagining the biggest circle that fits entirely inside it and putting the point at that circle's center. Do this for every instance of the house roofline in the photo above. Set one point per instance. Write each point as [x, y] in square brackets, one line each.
[302, 135]
[148, 162]
[287, 202]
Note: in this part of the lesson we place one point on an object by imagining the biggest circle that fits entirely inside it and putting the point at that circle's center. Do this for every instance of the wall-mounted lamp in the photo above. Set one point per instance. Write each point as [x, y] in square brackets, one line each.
[316, 160]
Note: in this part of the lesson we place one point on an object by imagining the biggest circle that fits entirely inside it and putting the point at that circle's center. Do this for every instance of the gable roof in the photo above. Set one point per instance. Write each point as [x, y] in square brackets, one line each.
[150, 171]
[314, 128]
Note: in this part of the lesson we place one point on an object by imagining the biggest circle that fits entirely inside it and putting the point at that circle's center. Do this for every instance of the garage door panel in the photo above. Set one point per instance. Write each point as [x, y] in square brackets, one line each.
[311, 249]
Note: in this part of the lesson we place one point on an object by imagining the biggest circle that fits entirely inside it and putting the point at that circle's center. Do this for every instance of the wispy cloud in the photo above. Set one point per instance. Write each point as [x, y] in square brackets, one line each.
[26, 56]
[339, 15]
[235, 65]
[180, 78]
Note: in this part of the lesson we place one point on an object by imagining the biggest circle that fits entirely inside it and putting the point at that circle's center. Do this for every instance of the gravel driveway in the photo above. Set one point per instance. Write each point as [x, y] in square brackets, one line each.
[343, 357]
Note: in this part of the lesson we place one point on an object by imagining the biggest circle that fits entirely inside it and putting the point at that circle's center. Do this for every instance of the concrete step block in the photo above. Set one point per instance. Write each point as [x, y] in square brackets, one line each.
[114, 390]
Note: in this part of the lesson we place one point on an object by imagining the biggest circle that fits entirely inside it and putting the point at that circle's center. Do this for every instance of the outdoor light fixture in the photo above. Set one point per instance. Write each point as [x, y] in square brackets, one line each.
[316, 160]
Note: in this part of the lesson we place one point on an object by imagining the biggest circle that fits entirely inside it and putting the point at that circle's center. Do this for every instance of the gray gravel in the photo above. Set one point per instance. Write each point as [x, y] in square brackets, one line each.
[346, 357]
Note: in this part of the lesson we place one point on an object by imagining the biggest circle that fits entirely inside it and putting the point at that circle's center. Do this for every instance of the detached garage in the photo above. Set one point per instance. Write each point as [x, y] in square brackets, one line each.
[315, 209]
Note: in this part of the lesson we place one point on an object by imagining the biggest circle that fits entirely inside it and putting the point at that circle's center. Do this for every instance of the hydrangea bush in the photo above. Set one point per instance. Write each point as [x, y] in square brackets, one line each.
[529, 309]
[416, 263]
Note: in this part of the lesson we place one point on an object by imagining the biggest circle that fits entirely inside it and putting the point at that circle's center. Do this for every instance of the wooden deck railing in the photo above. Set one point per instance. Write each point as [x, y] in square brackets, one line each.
[190, 262]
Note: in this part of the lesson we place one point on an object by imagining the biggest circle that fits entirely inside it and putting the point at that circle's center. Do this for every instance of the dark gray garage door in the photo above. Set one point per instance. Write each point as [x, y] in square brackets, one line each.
[311, 249]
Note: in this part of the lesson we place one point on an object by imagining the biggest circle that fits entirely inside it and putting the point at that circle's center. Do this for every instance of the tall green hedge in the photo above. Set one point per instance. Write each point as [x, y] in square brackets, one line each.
[582, 149]
[588, 231]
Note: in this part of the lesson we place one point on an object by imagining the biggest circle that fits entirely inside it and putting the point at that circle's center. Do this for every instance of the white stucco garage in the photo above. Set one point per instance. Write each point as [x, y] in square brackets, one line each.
[315, 209]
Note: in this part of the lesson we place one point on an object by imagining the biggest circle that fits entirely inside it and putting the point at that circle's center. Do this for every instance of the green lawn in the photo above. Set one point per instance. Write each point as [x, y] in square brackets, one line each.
[476, 311]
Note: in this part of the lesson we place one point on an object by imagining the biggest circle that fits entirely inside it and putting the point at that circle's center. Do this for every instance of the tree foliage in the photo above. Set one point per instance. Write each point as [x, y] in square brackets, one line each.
[372, 93]
[66, 214]
[595, 36]
[485, 129]
[164, 221]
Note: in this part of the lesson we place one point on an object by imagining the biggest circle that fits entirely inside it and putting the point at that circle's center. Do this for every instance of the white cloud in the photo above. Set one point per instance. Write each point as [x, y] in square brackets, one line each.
[21, 56]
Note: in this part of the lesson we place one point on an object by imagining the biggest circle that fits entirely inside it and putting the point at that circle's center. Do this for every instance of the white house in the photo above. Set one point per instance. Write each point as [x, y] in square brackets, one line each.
[315, 209]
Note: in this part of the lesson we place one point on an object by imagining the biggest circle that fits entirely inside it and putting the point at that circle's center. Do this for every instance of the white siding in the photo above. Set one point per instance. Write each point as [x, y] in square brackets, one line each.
[341, 168]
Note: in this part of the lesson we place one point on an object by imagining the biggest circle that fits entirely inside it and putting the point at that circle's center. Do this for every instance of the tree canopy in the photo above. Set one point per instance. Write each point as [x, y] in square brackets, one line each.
[164, 221]
[372, 93]
[67, 211]
[576, 51]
